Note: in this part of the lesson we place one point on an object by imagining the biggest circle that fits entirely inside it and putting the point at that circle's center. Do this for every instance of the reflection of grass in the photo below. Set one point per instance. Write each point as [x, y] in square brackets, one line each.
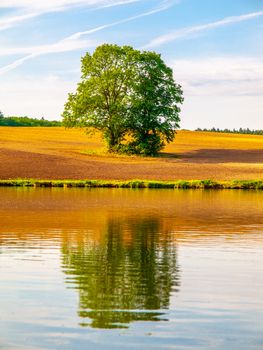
[184, 184]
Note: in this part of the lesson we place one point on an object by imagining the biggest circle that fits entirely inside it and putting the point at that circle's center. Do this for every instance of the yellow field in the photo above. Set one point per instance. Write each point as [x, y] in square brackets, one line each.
[56, 153]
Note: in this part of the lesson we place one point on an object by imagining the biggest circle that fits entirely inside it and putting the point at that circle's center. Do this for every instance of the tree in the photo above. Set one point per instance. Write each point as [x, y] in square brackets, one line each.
[102, 97]
[155, 112]
[126, 92]
[1, 115]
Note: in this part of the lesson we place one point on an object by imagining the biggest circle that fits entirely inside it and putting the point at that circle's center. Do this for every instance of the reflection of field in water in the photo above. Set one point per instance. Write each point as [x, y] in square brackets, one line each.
[191, 258]
[57, 211]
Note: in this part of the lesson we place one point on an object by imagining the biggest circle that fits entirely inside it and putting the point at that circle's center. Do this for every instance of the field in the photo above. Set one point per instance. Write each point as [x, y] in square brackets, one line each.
[56, 153]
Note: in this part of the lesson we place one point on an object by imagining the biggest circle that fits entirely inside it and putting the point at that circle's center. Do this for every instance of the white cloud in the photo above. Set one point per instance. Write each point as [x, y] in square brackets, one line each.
[35, 97]
[188, 31]
[220, 76]
[69, 43]
[32, 8]
[64, 45]
[7, 22]
[224, 92]
[222, 112]
[54, 5]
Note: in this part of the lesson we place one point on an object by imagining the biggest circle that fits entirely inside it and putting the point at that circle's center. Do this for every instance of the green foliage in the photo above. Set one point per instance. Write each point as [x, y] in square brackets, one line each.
[234, 131]
[25, 121]
[178, 184]
[154, 110]
[103, 96]
[145, 143]
[114, 279]
[124, 92]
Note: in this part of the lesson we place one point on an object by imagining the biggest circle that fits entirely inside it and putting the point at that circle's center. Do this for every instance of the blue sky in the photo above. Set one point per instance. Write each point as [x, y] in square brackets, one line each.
[214, 47]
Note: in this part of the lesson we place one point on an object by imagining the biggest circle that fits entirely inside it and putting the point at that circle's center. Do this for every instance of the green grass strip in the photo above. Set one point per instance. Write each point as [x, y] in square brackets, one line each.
[183, 184]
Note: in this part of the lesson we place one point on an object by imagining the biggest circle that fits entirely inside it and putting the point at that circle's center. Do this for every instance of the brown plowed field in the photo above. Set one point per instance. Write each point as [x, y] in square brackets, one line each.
[56, 153]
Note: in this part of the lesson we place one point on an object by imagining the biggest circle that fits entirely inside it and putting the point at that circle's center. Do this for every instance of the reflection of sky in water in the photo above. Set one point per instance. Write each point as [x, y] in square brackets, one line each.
[71, 259]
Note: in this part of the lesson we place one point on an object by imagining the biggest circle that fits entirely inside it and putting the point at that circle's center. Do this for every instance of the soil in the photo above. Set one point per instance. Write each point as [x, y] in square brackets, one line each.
[56, 153]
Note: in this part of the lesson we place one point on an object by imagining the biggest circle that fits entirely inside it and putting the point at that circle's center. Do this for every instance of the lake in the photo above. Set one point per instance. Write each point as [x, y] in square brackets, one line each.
[131, 269]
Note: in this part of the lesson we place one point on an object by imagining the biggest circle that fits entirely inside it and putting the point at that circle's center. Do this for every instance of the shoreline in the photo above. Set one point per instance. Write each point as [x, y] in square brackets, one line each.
[136, 183]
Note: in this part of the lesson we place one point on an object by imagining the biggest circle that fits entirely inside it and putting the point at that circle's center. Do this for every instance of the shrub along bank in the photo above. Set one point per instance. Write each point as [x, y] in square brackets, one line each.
[180, 184]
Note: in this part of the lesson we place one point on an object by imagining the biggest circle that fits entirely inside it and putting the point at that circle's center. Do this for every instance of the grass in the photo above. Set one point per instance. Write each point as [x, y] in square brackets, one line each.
[180, 184]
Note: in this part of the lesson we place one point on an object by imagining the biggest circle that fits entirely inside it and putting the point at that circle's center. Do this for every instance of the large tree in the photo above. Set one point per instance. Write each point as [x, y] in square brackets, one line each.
[102, 99]
[123, 92]
[155, 105]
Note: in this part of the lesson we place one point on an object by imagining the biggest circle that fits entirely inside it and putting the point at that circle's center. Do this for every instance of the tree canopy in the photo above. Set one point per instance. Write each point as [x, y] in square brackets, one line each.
[129, 95]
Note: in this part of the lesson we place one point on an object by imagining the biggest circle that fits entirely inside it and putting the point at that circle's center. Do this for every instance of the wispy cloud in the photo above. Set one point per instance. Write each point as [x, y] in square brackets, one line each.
[164, 6]
[188, 31]
[28, 9]
[7, 22]
[54, 5]
[118, 3]
[70, 43]
[64, 45]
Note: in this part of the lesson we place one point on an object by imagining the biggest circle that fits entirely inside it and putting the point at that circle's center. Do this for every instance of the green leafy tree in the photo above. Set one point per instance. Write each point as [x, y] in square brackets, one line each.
[155, 106]
[126, 92]
[102, 99]
[1, 115]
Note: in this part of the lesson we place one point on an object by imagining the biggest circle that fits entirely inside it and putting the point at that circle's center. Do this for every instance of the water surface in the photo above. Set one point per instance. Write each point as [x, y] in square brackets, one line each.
[131, 269]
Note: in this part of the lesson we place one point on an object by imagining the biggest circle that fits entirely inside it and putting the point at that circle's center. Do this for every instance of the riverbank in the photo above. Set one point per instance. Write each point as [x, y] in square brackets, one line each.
[181, 184]
[56, 153]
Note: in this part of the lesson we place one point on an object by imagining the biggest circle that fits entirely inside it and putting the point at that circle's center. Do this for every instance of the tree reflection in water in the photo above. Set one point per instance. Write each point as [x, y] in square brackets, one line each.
[127, 276]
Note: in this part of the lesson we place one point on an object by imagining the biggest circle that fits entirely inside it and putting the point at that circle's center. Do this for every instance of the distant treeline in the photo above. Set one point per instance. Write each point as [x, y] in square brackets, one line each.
[234, 131]
[25, 121]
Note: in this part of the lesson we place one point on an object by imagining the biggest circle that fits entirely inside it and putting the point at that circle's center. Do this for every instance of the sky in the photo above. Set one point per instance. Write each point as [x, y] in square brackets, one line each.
[214, 47]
